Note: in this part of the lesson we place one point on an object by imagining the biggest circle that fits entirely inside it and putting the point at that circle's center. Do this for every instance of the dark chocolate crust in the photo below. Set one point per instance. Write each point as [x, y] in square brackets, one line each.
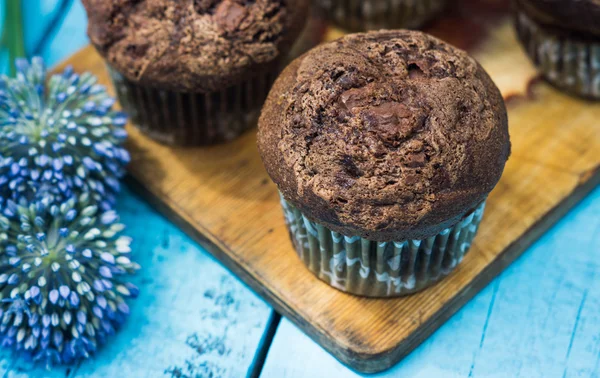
[580, 16]
[193, 45]
[389, 135]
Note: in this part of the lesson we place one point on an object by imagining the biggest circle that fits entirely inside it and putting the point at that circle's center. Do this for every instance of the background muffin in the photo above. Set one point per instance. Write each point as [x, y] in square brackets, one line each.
[562, 37]
[384, 147]
[380, 14]
[193, 72]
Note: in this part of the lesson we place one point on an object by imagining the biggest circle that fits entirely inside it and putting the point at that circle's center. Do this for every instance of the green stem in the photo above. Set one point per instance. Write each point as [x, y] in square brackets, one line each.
[14, 32]
[3, 37]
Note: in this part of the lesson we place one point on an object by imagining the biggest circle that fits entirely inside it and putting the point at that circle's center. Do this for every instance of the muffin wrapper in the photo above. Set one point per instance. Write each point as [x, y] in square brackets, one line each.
[193, 119]
[567, 62]
[357, 15]
[379, 269]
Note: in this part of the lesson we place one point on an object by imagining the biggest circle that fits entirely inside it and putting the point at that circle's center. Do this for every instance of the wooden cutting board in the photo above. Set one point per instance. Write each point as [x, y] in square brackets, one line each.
[223, 198]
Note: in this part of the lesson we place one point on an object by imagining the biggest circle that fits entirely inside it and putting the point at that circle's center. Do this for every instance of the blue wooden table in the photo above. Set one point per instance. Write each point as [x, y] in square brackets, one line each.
[540, 318]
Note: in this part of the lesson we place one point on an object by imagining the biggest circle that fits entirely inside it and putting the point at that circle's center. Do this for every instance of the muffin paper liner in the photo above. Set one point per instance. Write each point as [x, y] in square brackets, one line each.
[357, 15]
[193, 119]
[379, 269]
[567, 62]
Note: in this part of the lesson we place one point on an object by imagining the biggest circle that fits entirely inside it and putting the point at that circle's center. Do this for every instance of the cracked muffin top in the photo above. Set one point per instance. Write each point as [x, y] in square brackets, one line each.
[193, 45]
[581, 16]
[388, 135]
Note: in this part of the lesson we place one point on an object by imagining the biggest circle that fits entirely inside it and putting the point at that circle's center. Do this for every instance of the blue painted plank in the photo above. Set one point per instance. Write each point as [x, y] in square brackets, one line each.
[70, 37]
[539, 318]
[36, 16]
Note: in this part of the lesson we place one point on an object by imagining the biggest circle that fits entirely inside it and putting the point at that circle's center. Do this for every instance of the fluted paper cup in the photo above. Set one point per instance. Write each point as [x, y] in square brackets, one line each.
[566, 61]
[379, 269]
[193, 119]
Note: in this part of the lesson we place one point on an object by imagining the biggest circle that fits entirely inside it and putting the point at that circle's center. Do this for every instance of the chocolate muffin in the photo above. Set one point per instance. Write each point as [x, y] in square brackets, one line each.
[380, 14]
[194, 72]
[562, 37]
[384, 147]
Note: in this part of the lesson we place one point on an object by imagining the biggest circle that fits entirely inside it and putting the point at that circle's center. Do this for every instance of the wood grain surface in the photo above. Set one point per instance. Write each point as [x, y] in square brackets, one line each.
[224, 199]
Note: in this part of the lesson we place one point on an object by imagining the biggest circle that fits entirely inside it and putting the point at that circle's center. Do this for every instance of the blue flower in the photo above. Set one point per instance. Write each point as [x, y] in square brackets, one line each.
[60, 136]
[63, 278]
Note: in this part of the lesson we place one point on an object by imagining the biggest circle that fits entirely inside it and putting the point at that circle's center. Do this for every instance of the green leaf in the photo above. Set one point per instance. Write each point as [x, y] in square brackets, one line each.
[13, 32]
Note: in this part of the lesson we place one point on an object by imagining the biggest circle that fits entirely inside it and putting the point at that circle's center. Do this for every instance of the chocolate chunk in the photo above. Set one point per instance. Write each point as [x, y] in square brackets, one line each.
[392, 121]
[355, 97]
[410, 179]
[229, 15]
[346, 81]
[416, 160]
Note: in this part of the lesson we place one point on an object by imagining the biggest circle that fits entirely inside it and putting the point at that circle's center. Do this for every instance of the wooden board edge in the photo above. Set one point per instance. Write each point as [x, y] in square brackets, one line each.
[362, 361]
